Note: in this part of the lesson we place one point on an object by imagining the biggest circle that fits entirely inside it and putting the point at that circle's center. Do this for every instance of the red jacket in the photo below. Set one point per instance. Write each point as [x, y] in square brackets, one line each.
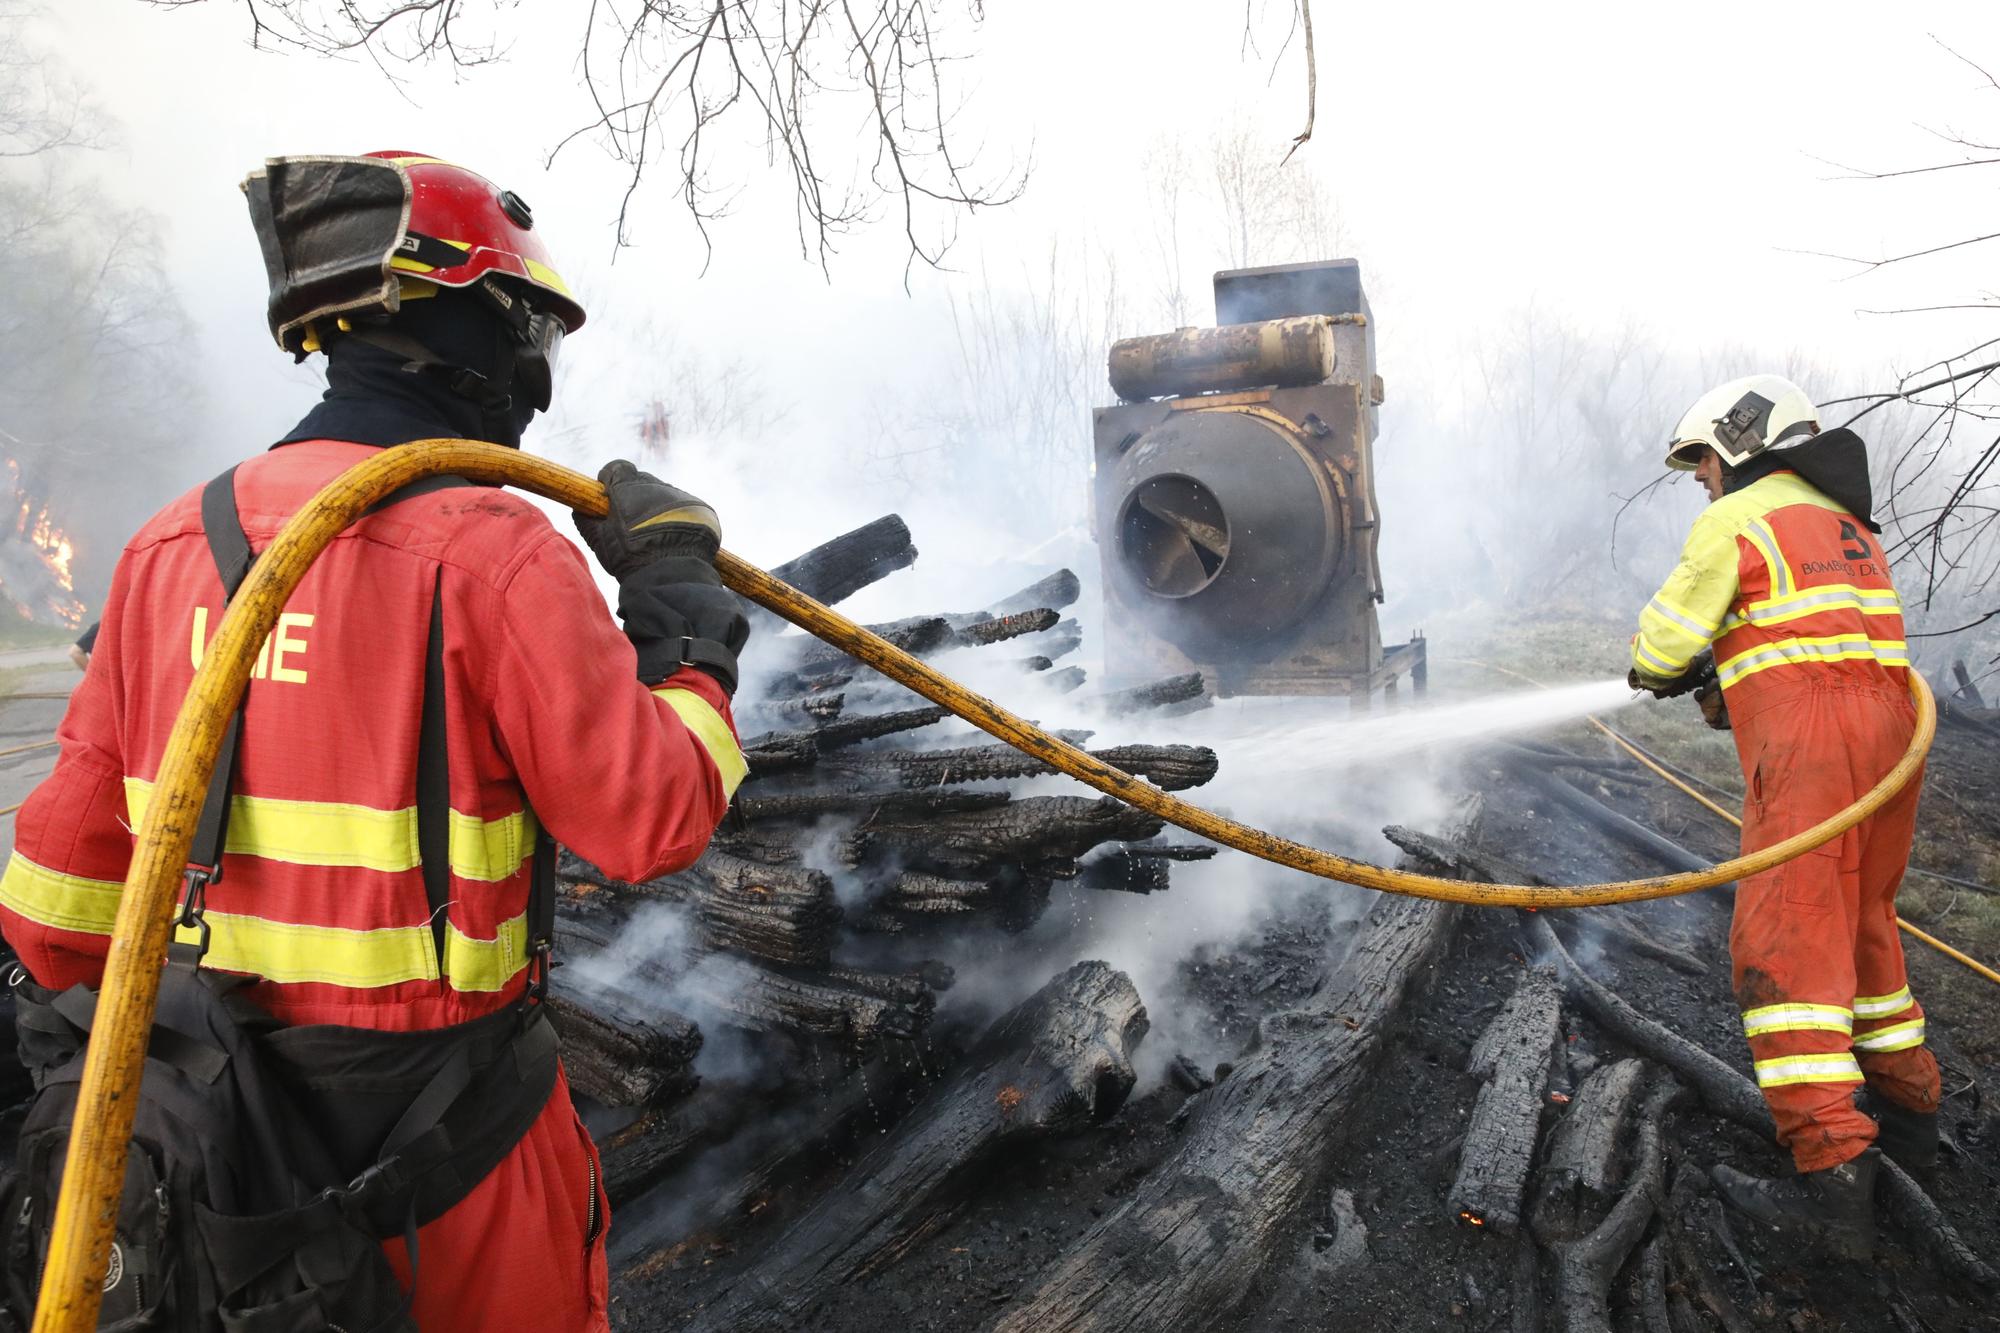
[322, 890]
[322, 893]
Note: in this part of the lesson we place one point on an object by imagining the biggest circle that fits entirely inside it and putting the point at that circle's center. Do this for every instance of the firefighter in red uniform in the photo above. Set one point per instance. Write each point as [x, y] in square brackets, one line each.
[1782, 579]
[441, 315]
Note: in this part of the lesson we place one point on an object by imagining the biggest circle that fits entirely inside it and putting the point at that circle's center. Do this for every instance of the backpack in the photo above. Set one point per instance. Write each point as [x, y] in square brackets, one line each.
[268, 1163]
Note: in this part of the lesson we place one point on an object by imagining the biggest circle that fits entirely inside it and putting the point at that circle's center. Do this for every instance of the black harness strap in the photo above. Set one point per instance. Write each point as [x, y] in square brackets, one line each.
[434, 779]
[230, 547]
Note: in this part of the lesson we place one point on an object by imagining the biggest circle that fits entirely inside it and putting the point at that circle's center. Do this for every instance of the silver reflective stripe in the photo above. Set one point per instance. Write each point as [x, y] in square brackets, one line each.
[1767, 542]
[1667, 613]
[1863, 602]
[1886, 651]
[1881, 1006]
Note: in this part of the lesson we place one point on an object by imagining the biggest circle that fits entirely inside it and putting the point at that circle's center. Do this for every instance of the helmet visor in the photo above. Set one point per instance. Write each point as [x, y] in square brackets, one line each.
[535, 361]
[1685, 455]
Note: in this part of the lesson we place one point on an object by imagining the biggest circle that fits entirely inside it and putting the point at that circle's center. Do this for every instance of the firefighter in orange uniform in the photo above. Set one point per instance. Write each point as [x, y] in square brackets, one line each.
[1783, 580]
[441, 314]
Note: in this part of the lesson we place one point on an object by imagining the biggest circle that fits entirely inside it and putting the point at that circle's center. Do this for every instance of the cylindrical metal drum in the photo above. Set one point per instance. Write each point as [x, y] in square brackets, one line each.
[1225, 521]
[1276, 352]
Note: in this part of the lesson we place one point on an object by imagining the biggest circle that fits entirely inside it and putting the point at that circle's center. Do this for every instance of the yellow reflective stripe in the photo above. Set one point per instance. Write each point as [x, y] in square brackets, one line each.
[1899, 1037]
[421, 162]
[547, 276]
[360, 837]
[1797, 1017]
[289, 953]
[1766, 541]
[1680, 616]
[490, 849]
[1790, 1069]
[1881, 1006]
[699, 515]
[61, 902]
[410, 265]
[1803, 651]
[700, 717]
[486, 965]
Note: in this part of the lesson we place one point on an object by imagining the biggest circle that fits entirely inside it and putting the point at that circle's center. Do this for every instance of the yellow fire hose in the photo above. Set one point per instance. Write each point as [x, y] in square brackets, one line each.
[93, 1173]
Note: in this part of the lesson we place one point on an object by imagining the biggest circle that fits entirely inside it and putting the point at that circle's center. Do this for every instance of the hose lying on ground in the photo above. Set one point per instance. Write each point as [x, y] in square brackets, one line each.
[94, 1171]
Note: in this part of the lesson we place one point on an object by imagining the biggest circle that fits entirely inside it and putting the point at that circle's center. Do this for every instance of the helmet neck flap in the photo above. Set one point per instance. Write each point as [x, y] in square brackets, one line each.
[445, 366]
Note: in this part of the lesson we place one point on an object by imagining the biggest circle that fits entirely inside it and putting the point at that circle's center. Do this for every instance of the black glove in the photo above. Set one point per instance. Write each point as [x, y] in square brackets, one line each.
[649, 520]
[1700, 672]
[677, 613]
[1714, 709]
[659, 542]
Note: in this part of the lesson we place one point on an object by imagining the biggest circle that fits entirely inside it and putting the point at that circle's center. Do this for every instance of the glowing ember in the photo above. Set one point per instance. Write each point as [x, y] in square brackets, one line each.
[1559, 1098]
[1474, 1218]
[1009, 1097]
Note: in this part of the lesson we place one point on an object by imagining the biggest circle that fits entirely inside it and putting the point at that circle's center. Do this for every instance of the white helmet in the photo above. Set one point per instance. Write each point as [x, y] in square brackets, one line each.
[1741, 419]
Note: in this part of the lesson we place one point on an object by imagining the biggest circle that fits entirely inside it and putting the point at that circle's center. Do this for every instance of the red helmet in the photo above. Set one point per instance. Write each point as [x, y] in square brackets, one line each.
[486, 230]
[342, 236]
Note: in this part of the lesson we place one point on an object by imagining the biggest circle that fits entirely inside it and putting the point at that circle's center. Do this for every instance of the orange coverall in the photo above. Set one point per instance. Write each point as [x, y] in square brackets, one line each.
[323, 896]
[1795, 597]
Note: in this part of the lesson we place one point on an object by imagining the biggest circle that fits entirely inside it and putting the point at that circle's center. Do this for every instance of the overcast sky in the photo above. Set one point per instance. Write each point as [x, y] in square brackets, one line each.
[1610, 165]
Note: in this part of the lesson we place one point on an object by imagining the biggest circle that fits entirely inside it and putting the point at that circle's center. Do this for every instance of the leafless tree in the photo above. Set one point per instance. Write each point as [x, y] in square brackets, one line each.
[97, 399]
[1938, 488]
[669, 82]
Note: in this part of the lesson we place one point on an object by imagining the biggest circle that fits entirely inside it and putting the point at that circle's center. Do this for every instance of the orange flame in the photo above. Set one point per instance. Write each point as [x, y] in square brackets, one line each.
[1474, 1218]
[57, 554]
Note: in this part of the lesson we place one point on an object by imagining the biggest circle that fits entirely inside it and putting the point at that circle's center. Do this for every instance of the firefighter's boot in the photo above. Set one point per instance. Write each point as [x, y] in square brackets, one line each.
[1836, 1205]
[1908, 1138]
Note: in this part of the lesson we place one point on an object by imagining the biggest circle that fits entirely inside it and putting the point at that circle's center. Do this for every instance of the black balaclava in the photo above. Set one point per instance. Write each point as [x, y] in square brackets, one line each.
[372, 397]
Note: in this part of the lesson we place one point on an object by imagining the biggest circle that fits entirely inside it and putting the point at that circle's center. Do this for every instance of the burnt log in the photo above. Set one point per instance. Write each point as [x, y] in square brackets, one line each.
[1169, 767]
[1155, 694]
[1123, 872]
[1011, 899]
[850, 729]
[800, 658]
[807, 710]
[1061, 641]
[1195, 1236]
[617, 1055]
[866, 804]
[1034, 829]
[999, 629]
[782, 914]
[848, 1007]
[854, 1009]
[1513, 1057]
[834, 571]
[1058, 1063]
[642, 1154]
[1581, 1171]
[1585, 1268]
[780, 752]
[1058, 590]
[1734, 1097]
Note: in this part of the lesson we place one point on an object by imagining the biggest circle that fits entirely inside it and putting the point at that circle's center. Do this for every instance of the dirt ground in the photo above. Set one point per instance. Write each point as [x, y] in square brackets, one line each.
[1417, 1267]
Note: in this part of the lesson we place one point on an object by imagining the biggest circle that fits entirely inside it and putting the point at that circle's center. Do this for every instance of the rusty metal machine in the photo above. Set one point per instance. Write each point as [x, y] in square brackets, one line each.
[1234, 492]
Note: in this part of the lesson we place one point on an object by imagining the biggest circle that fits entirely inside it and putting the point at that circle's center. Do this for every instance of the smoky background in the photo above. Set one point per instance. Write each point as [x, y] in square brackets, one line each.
[1527, 402]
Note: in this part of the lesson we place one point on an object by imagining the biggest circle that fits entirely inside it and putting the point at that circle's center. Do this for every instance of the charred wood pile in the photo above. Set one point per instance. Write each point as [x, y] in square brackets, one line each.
[850, 830]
